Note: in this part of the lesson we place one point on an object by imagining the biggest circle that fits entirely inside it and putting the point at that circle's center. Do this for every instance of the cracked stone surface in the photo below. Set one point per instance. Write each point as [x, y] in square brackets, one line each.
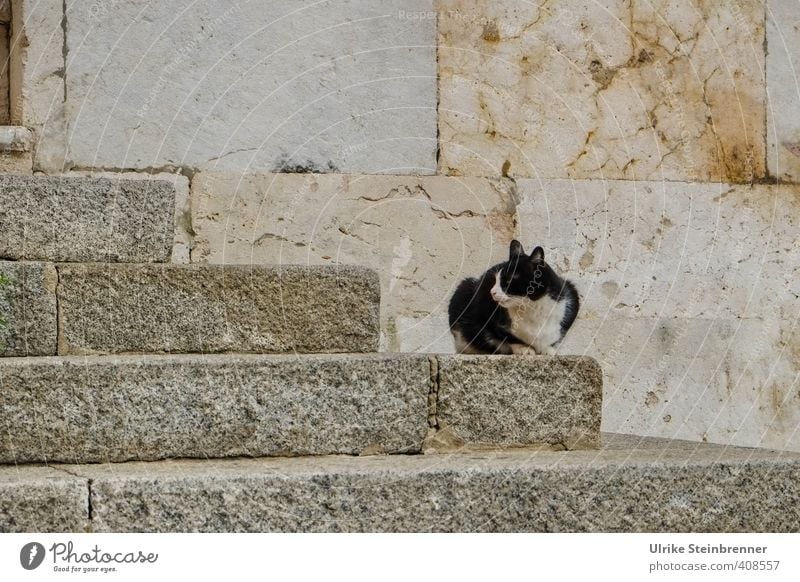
[117, 308]
[690, 299]
[670, 90]
[332, 87]
[111, 409]
[75, 219]
[520, 400]
[422, 235]
[641, 486]
[27, 309]
[783, 90]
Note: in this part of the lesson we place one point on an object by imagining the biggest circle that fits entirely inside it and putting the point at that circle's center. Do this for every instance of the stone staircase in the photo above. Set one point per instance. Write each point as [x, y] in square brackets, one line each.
[138, 395]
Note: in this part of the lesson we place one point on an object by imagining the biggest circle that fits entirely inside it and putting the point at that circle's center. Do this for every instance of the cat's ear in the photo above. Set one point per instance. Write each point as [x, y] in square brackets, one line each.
[516, 249]
[538, 254]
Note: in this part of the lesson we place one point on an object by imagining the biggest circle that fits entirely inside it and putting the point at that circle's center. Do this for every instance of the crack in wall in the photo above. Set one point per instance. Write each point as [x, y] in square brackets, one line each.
[438, 95]
[89, 492]
[433, 394]
[58, 308]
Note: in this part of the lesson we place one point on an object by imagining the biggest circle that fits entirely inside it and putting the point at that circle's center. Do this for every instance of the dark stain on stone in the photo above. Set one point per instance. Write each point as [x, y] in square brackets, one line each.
[286, 166]
[490, 32]
[664, 334]
[601, 74]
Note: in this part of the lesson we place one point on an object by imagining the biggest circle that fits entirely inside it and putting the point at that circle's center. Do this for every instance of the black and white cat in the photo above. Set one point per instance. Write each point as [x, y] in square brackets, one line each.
[521, 306]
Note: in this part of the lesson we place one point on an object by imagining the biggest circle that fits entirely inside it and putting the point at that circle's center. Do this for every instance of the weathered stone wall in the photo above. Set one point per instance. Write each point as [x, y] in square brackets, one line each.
[691, 294]
[662, 90]
[346, 85]
[653, 148]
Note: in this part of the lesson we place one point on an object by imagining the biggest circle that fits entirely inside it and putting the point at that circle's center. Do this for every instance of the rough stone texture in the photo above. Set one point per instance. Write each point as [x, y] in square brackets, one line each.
[84, 219]
[100, 409]
[669, 89]
[783, 90]
[520, 400]
[40, 499]
[107, 308]
[690, 299]
[658, 489]
[421, 234]
[27, 309]
[338, 86]
[182, 242]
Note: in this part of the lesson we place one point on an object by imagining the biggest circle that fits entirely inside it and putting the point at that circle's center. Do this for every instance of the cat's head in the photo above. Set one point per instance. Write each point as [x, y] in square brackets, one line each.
[522, 277]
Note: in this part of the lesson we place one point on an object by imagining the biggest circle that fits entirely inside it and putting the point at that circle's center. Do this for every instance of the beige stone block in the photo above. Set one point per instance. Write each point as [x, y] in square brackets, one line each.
[657, 249]
[670, 90]
[783, 92]
[422, 234]
[38, 71]
[424, 333]
[728, 381]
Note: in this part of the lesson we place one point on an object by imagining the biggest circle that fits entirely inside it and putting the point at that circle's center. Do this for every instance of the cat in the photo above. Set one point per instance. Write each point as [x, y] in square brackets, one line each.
[521, 306]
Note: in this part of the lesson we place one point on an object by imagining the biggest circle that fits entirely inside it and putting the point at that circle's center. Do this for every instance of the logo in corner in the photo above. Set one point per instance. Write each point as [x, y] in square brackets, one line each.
[31, 555]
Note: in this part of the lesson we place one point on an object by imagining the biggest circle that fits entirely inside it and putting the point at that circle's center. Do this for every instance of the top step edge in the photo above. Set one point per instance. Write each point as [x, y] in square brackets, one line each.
[84, 219]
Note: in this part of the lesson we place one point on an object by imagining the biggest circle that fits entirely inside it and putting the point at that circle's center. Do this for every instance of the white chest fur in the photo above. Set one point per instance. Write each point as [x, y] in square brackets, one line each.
[537, 323]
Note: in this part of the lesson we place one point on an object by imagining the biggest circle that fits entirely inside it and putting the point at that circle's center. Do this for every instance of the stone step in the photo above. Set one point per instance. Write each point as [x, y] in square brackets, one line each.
[118, 408]
[100, 409]
[162, 308]
[517, 401]
[28, 320]
[629, 485]
[86, 219]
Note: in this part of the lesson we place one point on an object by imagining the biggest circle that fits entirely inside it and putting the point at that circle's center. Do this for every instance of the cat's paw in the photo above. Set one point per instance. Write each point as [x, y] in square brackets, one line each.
[546, 350]
[522, 350]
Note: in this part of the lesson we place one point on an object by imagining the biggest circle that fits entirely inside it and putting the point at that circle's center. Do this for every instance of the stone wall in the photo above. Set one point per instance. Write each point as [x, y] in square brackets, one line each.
[653, 149]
